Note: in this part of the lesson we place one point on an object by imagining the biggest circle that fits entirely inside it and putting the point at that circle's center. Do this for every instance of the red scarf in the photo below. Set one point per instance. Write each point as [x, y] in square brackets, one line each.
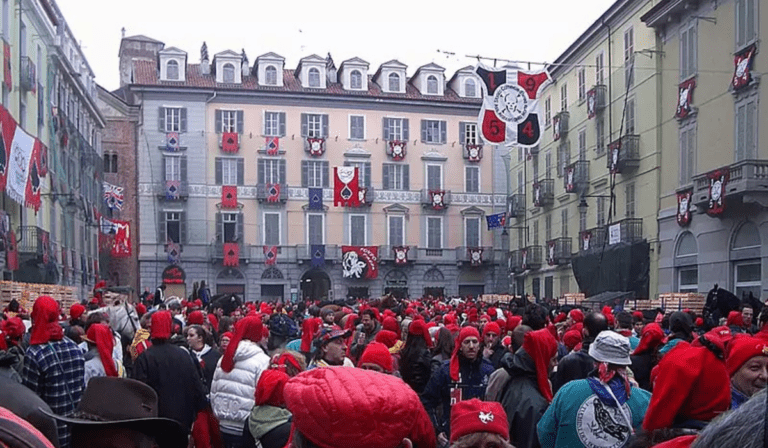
[45, 325]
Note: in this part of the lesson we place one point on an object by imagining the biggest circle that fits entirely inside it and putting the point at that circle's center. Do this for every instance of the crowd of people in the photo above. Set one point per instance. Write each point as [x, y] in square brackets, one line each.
[383, 373]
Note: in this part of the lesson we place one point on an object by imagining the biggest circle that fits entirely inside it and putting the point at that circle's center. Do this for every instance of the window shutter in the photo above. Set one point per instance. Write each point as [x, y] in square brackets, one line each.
[423, 131]
[161, 118]
[240, 238]
[281, 118]
[217, 170]
[183, 166]
[325, 174]
[406, 184]
[282, 171]
[304, 173]
[218, 230]
[261, 171]
[385, 128]
[750, 148]
[183, 120]
[182, 227]
[162, 236]
[240, 128]
[406, 136]
[462, 133]
[443, 132]
[304, 125]
[741, 141]
[367, 167]
[325, 126]
[240, 171]
[385, 176]
[164, 168]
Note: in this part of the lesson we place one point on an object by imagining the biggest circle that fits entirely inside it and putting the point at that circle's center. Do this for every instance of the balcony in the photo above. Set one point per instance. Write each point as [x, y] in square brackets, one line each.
[430, 255]
[559, 251]
[332, 253]
[33, 241]
[284, 254]
[624, 154]
[272, 193]
[747, 182]
[531, 257]
[27, 75]
[544, 193]
[463, 254]
[386, 253]
[595, 239]
[576, 177]
[217, 251]
[516, 205]
[435, 199]
[560, 125]
[173, 190]
[628, 230]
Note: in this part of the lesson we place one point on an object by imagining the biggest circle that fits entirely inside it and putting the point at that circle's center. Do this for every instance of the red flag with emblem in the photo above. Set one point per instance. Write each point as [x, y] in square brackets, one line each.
[231, 254]
[270, 255]
[121, 246]
[12, 251]
[345, 187]
[229, 142]
[229, 196]
[7, 128]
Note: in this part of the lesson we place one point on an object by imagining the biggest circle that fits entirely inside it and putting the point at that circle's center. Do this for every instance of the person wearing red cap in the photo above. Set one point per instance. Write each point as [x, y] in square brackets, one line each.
[415, 357]
[528, 391]
[172, 373]
[463, 377]
[343, 407]
[645, 356]
[100, 361]
[476, 423]
[747, 365]
[269, 422]
[492, 349]
[376, 357]
[54, 366]
[578, 364]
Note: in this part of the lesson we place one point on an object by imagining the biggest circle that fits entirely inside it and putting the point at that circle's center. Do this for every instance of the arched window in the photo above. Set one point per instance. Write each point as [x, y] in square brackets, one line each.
[432, 85]
[228, 73]
[686, 262]
[272, 273]
[747, 237]
[687, 246]
[172, 70]
[314, 77]
[270, 75]
[747, 268]
[469, 88]
[394, 82]
[434, 275]
[355, 79]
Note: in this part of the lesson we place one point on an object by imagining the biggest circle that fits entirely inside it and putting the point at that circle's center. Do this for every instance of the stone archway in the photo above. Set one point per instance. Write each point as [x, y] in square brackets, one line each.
[315, 284]
[230, 281]
[434, 283]
[396, 283]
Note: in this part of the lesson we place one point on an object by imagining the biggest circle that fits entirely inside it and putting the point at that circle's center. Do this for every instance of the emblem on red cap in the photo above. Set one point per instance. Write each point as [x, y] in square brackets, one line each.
[486, 417]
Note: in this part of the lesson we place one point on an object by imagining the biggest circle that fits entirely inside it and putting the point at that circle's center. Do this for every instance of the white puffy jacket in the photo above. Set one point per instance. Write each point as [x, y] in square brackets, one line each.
[232, 393]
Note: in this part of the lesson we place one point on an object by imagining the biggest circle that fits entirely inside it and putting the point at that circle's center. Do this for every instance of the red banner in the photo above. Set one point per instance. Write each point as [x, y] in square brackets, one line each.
[401, 254]
[474, 153]
[717, 182]
[7, 128]
[360, 262]
[12, 251]
[273, 192]
[551, 253]
[316, 146]
[229, 142]
[591, 103]
[270, 255]
[32, 190]
[475, 256]
[345, 187]
[43, 160]
[231, 254]
[437, 198]
[684, 98]
[121, 246]
[684, 208]
[397, 149]
[229, 196]
[273, 146]
[7, 74]
[742, 75]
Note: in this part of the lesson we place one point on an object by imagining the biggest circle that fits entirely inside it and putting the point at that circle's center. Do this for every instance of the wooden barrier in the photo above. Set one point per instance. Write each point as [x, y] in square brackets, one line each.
[26, 293]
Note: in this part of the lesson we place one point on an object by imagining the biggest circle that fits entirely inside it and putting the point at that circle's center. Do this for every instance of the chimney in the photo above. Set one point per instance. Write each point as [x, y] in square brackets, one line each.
[330, 69]
[244, 64]
[205, 64]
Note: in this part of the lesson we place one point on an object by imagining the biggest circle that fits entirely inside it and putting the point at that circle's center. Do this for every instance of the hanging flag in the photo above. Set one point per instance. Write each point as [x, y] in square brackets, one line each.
[401, 254]
[474, 153]
[273, 146]
[231, 254]
[397, 150]
[273, 192]
[113, 196]
[316, 146]
[345, 186]
[591, 103]
[172, 188]
[270, 255]
[318, 255]
[315, 199]
[229, 196]
[586, 238]
[570, 172]
[684, 208]
[717, 181]
[360, 261]
[121, 247]
[742, 75]
[437, 198]
[524, 259]
[229, 142]
[614, 152]
[475, 256]
[361, 193]
[684, 98]
[12, 252]
[43, 160]
[497, 220]
[510, 110]
[556, 127]
[172, 141]
[551, 260]
[7, 73]
[19, 169]
[7, 128]
[174, 252]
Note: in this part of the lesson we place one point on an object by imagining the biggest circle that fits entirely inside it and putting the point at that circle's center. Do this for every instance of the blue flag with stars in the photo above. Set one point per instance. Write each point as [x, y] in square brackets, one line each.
[318, 254]
[497, 220]
[315, 198]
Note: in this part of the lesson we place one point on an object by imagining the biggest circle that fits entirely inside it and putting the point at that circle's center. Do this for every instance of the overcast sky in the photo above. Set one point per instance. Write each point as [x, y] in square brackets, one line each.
[410, 31]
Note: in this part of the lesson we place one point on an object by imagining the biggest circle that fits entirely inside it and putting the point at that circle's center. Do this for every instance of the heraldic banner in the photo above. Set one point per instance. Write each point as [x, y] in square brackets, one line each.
[345, 187]
[360, 261]
[121, 247]
[20, 163]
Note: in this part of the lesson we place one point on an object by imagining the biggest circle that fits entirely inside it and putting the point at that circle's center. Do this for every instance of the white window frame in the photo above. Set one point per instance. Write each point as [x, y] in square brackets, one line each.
[279, 228]
[229, 171]
[172, 118]
[350, 127]
[426, 174]
[270, 76]
[172, 216]
[173, 168]
[581, 75]
[688, 287]
[314, 125]
[389, 229]
[306, 227]
[228, 218]
[467, 83]
[390, 79]
[315, 171]
[471, 136]
[467, 169]
[365, 228]
[548, 112]
[271, 170]
[477, 219]
[356, 75]
[426, 231]
[749, 284]
[229, 121]
[174, 63]
[398, 177]
[396, 128]
[434, 131]
[600, 68]
[432, 85]
[564, 97]
[225, 73]
[271, 118]
[313, 77]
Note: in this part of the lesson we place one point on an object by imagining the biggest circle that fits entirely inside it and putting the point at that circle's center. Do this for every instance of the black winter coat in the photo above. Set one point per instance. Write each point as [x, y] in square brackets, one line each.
[521, 400]
[171, 372]
[641, 367]
[574, 366]
[416, 369]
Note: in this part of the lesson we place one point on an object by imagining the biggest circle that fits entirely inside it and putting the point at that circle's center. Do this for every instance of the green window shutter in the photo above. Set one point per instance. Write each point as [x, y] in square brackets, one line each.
[218, 229]
[282, 124]
[183, 228]
[406, 135]
[443, 132]
[240, 171]
[183, 170]
[304, 125]
[385, 176]
[261, 174]
[406, 180]
[240, 228]
[423, 131]
[217, 121]
[161, 119]
[385, 128]
[217, 170]
[462, 133]
[240, 128]
[325, 174]
[304, 173]
[325, 126]
[162, 236]
[282, 172]
[183, 120]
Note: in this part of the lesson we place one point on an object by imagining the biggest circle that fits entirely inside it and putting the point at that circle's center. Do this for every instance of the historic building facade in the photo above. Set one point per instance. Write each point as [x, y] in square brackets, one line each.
[713, 221]
[237, 173]
[584, 201]
[48, 91]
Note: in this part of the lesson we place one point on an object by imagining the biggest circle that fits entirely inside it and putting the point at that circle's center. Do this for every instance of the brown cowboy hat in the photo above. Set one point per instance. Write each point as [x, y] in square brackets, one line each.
[126, 403]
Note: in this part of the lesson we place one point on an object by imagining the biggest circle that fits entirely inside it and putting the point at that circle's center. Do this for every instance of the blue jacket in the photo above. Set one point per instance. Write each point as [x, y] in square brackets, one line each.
[441, 390]
[578, 416]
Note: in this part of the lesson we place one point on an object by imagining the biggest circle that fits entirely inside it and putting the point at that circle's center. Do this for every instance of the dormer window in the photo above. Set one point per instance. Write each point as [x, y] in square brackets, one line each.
[313, 77]
[356, 79]
[270, 75]
[172, 70]
[469, 88]
[228, 73]
[432, 85]
[394, 82]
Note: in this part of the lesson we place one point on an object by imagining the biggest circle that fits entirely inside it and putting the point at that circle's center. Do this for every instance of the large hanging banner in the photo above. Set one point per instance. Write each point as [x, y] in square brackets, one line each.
[360, 261]
[345, 187]
[121, 246]
[510, 111]
[22, 167]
